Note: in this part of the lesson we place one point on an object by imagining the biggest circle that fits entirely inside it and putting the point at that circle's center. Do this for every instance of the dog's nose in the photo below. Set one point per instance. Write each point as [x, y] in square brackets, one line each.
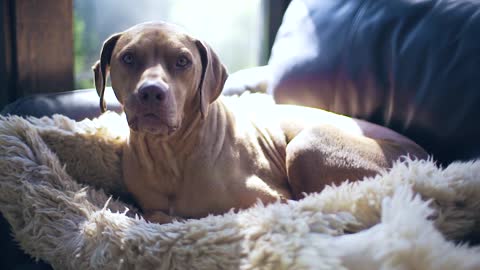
[152, 92]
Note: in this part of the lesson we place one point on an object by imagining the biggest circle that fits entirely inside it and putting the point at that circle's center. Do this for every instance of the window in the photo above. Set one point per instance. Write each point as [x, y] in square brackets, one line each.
[232, 27]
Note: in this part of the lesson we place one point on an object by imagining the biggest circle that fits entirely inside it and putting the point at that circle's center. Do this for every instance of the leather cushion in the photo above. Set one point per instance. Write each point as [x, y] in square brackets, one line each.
[411, 65]
[77, 105]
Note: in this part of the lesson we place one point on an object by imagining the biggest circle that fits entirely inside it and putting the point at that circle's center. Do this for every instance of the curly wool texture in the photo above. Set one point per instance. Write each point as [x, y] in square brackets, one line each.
[56, 176]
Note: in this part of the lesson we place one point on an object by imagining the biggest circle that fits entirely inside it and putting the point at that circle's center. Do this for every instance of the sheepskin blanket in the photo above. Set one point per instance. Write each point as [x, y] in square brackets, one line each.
[60, 184]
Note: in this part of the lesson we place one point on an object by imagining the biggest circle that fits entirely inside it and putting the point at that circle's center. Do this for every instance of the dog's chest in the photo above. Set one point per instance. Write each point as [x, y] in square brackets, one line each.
[232, 181]
[246, 166]
[215, 196]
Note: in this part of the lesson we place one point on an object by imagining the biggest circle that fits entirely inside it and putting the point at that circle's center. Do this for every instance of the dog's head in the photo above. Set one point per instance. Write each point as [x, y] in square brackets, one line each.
[160, 75]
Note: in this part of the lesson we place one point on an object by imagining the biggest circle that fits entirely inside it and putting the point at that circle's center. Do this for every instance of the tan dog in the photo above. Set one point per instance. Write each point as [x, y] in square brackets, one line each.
[188, 155]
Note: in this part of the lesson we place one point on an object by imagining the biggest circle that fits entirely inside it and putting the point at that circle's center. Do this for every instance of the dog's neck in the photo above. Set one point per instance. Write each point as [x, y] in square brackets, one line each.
[196, 135]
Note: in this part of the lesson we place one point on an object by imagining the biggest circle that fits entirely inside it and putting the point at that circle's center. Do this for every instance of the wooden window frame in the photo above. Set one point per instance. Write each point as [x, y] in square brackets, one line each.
[273, 11]
[36, 47]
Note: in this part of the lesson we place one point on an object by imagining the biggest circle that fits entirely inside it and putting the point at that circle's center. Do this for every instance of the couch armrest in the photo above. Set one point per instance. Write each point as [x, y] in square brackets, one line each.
[78, 104]
[81, 104]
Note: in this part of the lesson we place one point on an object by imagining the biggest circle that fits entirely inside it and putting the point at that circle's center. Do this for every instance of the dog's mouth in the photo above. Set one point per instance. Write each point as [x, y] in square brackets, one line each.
[152, 123]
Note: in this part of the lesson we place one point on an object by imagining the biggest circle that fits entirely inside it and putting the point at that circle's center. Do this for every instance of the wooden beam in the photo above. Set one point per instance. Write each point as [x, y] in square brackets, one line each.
[43, 46]
[6, 45]
[273, 11]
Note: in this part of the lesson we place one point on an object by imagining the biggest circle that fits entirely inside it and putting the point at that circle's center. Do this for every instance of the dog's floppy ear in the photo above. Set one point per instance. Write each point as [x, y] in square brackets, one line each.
[100, 69]
[214, 75]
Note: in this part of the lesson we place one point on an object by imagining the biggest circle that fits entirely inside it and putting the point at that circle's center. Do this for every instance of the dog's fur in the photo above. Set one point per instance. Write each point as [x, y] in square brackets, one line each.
[188, 155]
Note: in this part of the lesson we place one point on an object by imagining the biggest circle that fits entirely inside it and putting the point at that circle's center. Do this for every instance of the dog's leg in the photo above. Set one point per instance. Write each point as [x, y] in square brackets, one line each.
[160, 217]
[326, 155]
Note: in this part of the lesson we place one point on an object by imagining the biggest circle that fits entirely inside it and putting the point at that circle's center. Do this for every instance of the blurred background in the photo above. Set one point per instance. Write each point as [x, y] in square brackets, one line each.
[49, 46]
[233, 28]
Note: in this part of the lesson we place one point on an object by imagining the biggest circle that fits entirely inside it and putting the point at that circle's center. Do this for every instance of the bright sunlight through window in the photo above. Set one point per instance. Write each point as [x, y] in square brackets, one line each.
[232, 27]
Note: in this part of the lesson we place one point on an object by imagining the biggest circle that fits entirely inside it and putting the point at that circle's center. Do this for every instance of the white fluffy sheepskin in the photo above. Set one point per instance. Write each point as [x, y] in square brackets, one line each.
[56, 176]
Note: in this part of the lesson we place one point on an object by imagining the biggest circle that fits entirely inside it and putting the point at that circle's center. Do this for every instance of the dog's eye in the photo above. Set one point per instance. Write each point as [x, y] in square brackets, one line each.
[182, 62]
[127, 58]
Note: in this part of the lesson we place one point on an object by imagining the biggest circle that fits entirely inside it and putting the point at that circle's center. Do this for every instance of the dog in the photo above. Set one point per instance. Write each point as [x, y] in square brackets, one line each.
[188, 155]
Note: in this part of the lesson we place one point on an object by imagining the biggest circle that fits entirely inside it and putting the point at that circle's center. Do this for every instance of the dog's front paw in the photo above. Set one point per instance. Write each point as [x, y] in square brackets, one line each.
[160, 217]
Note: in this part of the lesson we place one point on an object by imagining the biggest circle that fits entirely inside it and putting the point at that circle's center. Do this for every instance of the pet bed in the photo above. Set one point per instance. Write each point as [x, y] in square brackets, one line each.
[60, 181]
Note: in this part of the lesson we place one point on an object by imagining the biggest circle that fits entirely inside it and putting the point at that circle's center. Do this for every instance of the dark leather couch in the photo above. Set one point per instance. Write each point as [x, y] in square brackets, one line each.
[413, 66]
